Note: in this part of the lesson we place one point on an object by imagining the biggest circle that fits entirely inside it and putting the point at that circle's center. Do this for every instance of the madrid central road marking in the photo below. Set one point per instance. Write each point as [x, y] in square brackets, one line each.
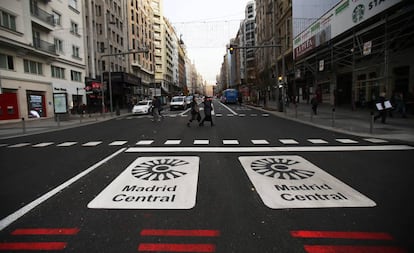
[293, 182]
[153, 183]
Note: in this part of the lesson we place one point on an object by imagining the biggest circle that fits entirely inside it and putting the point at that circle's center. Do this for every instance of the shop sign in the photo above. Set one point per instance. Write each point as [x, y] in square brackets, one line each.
[294, 182]
[153, 183]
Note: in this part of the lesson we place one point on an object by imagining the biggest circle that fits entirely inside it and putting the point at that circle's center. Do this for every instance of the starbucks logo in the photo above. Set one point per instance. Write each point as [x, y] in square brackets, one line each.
[159, 169]
[280, 168]
[358, 13]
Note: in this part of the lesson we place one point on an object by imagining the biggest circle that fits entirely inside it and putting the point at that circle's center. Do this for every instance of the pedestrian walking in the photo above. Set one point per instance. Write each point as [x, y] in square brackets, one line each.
[157, 108]
[382, 108]
[208, 110]
[400, 104]
[314, 103]
[195, 112]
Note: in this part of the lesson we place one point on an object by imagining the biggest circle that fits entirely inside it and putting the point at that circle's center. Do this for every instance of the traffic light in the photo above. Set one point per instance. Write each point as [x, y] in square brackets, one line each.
[280, 81]
[231, 49]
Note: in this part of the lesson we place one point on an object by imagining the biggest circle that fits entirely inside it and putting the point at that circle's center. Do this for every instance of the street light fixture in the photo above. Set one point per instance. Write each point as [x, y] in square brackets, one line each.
[143, 50]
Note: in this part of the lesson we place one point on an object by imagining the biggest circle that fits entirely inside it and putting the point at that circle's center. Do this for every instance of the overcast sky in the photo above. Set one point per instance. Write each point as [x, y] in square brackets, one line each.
[206, 28]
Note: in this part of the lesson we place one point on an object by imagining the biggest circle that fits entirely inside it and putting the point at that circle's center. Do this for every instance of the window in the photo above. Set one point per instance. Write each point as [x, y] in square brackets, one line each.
[57, 18]
[7, 20]
[33, 67]
[58, 45]
[58, 72]
[73, 4]
[75, 51]
[6, 62]
[76, 76]
[74, 28]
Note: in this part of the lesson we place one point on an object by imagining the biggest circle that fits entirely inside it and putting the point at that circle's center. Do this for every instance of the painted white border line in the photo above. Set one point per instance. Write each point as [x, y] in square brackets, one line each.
[228, 108]
[27, 208]
[268, 149]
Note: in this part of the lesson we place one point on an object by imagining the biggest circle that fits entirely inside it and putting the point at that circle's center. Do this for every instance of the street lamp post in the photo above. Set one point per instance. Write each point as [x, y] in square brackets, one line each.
[144, 50]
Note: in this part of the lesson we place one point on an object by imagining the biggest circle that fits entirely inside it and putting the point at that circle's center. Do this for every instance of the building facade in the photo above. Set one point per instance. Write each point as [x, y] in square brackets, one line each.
[42, 63]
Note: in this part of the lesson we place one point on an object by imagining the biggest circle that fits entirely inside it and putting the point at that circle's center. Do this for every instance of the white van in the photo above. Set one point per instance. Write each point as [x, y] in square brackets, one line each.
[178, 102]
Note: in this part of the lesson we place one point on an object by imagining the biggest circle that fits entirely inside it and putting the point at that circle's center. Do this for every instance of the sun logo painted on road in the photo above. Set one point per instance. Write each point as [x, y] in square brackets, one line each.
[159, 169]
[280, 168]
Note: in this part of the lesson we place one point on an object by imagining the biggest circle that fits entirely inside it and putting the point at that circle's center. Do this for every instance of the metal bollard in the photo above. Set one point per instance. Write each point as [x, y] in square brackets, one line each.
[58, 120]
[23, 125]
[371, 123]
[333, 117]
[296, 111]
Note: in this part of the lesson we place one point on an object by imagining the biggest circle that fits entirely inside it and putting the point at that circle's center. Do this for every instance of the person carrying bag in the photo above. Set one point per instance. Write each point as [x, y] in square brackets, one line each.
[195, 112]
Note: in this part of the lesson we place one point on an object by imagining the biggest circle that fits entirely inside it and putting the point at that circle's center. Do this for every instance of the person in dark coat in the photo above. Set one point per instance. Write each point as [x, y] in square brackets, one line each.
[195, 112]
[314, 103]
[208, 108]
[382, 110]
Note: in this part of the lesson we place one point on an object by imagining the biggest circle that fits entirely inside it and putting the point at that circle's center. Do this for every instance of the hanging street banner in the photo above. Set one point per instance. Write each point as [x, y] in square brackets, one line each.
[153, 183]
[293, 182]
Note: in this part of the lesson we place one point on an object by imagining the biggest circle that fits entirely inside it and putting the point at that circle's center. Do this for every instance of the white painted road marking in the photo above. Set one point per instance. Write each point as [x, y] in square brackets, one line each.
[117, 143]
[92, 143]
[44, 144]
[260, 142]
[153, 183]
[19, 145]
[27, 208]
[293, 182]
[67, 144]
[145, 142]
[172, 142]
[288, 141]
[346, 141]
[317, 141]
[230, 142]
[268, 149]
[201, 142]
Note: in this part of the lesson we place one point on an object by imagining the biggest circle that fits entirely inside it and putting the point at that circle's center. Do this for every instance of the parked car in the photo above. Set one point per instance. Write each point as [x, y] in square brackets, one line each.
[143, 107]
[178, 102]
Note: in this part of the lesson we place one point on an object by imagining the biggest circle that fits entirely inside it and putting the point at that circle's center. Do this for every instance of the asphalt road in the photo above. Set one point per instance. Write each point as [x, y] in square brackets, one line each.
[251, 183]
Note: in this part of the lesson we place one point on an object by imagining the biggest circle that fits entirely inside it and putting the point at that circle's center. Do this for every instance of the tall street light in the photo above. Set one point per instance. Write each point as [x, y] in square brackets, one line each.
[143, 50]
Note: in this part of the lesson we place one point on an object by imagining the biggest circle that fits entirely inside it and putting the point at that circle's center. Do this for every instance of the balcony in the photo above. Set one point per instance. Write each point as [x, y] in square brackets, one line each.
[44, 46]
[42, 18]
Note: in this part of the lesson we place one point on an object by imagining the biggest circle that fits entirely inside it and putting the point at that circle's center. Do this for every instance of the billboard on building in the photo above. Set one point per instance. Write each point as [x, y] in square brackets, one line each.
[342, 17]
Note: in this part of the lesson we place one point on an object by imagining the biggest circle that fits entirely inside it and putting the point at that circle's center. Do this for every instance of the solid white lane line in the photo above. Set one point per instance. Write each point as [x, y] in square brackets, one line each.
[27, 208]
[268, 149]
[228, 108]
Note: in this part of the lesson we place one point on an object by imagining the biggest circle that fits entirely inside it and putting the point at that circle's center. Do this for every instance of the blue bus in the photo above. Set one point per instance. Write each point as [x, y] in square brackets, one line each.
[230, 96]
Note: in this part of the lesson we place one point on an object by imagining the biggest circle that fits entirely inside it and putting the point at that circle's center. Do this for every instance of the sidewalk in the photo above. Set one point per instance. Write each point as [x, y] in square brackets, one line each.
[39, 125]
[344, 119]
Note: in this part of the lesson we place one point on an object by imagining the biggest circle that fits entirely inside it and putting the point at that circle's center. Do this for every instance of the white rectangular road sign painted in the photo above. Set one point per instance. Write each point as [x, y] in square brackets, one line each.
[168, 182]
[294, 182]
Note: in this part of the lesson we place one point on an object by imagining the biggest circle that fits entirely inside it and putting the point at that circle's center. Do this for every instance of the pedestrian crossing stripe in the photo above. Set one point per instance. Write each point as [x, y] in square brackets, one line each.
[44, 144]
[92, 143]
[258, 142]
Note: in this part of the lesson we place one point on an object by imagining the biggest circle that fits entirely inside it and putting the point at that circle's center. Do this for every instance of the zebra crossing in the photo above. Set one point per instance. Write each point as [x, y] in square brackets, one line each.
[185, 115]
[198, 142]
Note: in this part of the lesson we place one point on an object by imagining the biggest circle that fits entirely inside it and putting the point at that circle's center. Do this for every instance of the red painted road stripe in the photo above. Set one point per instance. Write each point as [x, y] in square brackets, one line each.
[32, 245]
[343, 235]
[45, 231]
[167, 247]
[180, 232]
[352, 249]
